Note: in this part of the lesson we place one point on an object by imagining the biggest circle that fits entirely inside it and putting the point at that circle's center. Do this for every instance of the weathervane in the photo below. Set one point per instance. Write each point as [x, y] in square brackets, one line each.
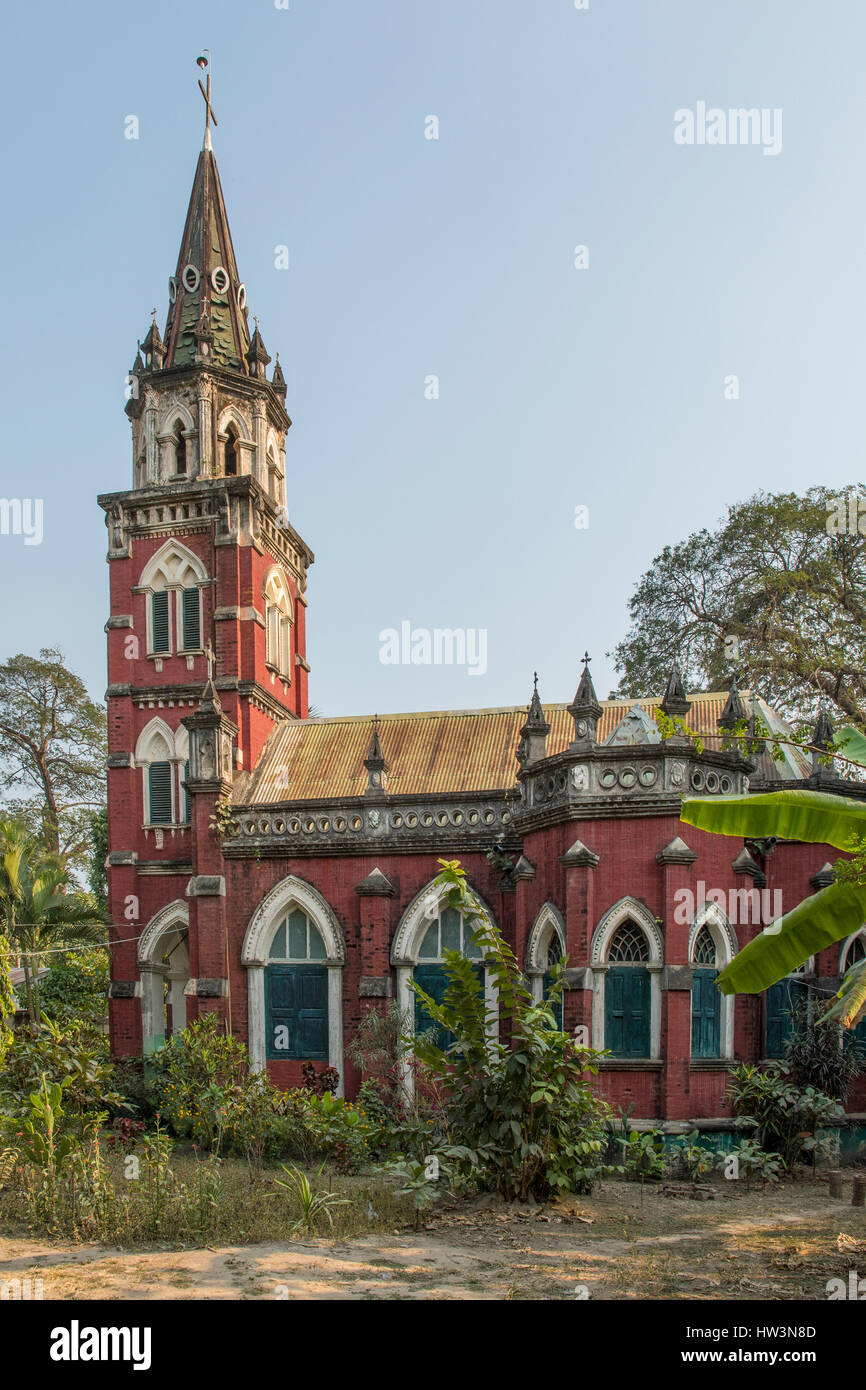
[204, 62]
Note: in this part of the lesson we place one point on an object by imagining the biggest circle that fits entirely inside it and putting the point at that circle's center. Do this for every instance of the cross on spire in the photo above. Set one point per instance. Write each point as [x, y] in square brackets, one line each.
[585, 659]
[204, 62]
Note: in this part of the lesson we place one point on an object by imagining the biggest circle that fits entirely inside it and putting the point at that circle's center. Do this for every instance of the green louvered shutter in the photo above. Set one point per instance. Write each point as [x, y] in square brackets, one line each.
[627, 1011]
[296, 1007]
[159, 620]
[191, 620]
[434, 981]
[781, 998]
[706, 1015]
[159, 783]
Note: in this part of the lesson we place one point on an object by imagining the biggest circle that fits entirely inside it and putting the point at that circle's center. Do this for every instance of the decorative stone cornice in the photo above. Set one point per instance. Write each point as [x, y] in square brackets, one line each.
[578, 856]
[824, 877]
[745, 864]
[376, 884]
[676, 851]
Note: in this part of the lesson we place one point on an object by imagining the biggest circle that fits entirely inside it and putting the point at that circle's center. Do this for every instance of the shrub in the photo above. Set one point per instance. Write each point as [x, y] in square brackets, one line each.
[697, 1160]
[68, 1056]
[525, 1111]
[787, 1117]
[825, 1057]
[753, 1161]
[643, 1153]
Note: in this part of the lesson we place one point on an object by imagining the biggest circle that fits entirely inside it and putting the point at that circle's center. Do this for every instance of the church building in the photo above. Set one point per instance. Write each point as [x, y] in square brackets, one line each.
[276, 869]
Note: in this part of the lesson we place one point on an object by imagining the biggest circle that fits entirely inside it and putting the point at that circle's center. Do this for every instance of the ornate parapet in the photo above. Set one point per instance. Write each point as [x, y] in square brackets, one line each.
[606, 781]
[353, 826]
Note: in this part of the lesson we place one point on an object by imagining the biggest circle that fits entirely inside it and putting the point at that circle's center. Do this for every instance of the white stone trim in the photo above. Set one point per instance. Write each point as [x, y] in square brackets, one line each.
[627, 907]
[173, 917]
[724, 937]
[293, 892]
[548, 922]
[847, 944]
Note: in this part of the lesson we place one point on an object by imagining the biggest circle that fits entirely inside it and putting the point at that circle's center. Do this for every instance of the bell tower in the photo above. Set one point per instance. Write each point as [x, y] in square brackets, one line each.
[207, 575]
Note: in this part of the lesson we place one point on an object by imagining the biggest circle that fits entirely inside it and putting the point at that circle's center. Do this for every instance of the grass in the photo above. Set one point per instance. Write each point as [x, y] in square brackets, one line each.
[192, 1202]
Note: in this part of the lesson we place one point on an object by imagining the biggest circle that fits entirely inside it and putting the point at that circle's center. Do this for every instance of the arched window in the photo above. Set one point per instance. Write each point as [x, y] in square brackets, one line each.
[173, 570]
[554, 955]
[231, 451]
[545, 946]
[627, 1002]
[161, 753]
[449, 931]
[179, 447]
[278, 623]
[296, 991]
[706, 1000]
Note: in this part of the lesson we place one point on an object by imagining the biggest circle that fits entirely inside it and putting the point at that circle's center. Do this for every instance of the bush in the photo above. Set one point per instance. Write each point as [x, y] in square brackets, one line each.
[205, 1092]
[66, 1055]
[824, 1057]
[525, 1112]
[696, 1159]
[787, 1117]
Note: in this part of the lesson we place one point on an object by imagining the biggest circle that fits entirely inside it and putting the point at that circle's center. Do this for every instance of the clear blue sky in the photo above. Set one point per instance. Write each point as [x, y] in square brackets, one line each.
[409, 256]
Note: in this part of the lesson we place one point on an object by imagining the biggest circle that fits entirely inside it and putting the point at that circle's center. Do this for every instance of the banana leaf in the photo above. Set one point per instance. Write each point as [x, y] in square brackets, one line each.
[826, 917]
[816, 817]
[851, 744]
[850, 1003]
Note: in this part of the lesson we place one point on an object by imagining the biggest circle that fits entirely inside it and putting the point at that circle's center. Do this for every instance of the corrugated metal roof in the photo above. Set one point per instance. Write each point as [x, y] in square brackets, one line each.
[428, 752]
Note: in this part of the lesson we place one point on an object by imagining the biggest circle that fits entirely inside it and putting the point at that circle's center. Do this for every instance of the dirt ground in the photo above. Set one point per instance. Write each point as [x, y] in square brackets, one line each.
[782, 1243]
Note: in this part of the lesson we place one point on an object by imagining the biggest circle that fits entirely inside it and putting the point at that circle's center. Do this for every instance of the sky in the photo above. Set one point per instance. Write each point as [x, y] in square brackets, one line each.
[604, 385]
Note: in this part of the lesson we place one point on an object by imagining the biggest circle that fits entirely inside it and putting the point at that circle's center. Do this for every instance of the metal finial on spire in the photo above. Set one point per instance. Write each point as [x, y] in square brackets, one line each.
[535, 680]
[153, 314]
[585, 659]
[205, 62]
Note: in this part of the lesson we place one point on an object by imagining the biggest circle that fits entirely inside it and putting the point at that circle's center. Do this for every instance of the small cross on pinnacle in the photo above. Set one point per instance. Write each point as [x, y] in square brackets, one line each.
[204, 62]
[535, 680]
[256, 320]
[585, 659]
[153, 315]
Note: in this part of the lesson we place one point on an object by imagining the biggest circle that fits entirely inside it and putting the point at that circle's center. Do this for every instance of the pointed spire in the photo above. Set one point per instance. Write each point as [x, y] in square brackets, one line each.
[375, 764]
[585, 710]
[278, 381]
[257, 355]
[674, 701]
[207, 314]
[533, 735]
[734, 709]
[154, 347]
[822, 736]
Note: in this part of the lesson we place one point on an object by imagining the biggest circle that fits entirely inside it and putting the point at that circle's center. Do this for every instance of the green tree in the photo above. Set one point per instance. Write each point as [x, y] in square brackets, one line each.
[41, 910]
[52, 751]
[771, 575]
[820, 920]
[524, 1109]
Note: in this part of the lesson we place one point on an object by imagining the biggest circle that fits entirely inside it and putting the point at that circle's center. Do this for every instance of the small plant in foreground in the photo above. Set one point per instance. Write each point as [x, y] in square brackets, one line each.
[696, 1158]
[312, 1204]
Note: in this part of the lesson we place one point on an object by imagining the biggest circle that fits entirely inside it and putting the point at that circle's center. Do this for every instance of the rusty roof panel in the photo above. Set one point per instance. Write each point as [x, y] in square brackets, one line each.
[428, 752]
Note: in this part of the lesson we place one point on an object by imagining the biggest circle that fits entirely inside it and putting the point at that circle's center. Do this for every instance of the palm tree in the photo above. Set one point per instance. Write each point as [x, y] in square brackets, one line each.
[40, 907]
[829, 915]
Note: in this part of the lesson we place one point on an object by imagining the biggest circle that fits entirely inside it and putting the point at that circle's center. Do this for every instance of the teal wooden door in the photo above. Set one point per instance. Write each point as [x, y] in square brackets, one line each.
[627, 1011]
[706, 1015]
[434, 981]
[296, 1012]
[780, 1000]
[556, 1008]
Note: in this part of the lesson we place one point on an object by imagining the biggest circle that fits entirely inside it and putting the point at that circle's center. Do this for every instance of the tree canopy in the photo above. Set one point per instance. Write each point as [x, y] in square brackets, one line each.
[52, 751]
[776, 594]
